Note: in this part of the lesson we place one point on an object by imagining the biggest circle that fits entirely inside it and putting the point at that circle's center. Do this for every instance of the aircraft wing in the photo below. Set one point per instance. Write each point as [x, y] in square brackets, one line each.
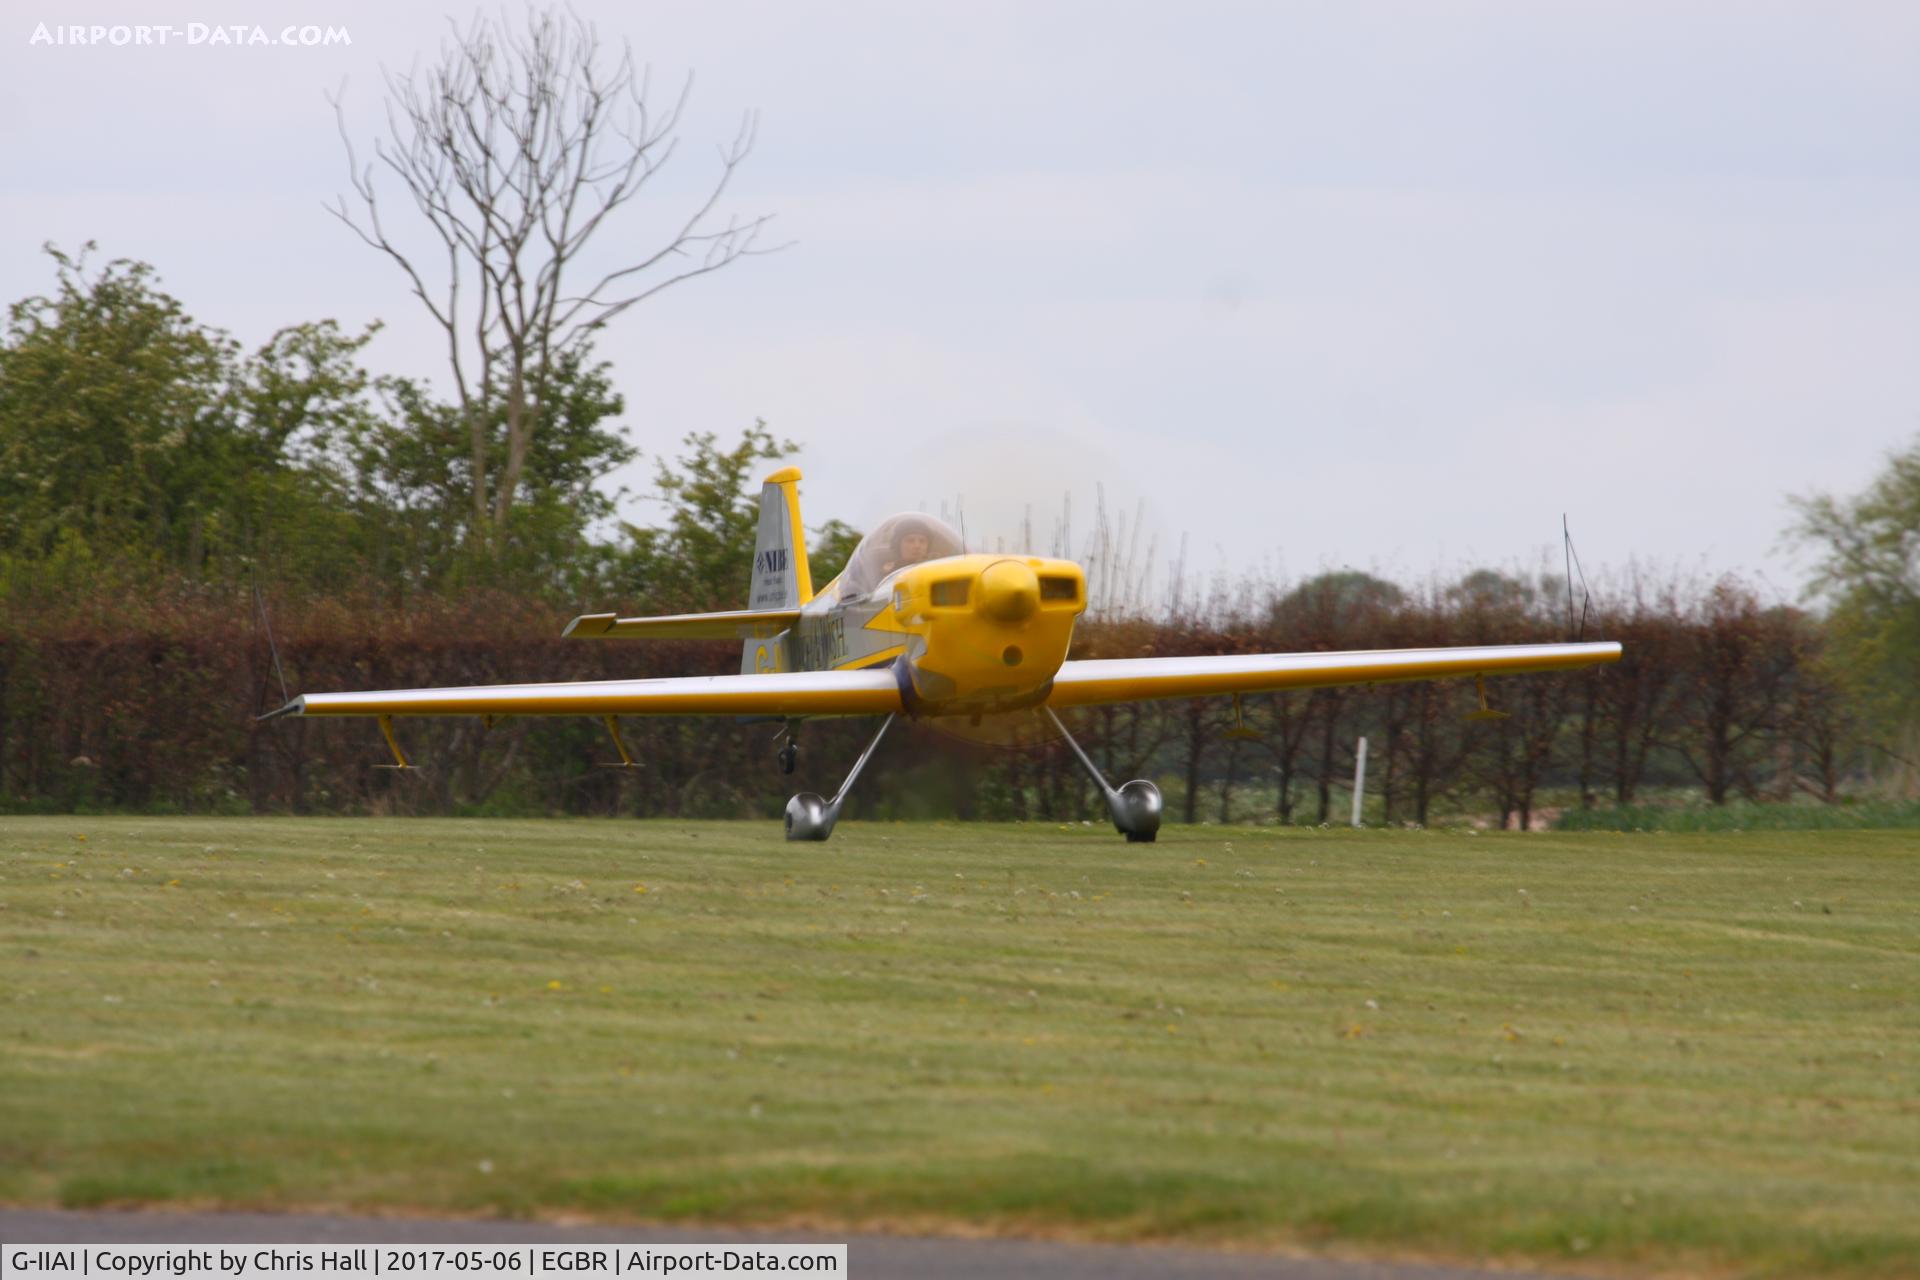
[1131, 679]
[792, 693]
[739, 624]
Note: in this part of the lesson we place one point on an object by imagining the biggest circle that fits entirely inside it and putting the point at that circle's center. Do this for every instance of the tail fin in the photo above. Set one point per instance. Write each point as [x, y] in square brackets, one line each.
[781, 579]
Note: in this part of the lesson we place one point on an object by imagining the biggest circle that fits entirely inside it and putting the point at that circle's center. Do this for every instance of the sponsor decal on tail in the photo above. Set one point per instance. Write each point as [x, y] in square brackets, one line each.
[780, 578]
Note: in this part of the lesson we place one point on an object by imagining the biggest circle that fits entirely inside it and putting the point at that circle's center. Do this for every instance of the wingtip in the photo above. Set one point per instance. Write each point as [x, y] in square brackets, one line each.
[589, 625]
[297, 707]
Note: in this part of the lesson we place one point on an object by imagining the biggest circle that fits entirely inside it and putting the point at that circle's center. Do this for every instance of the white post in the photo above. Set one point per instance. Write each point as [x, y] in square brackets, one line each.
[1359, 779]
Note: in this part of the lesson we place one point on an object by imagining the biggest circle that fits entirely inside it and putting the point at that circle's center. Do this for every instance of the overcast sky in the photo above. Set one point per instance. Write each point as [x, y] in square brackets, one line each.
[1384, 285]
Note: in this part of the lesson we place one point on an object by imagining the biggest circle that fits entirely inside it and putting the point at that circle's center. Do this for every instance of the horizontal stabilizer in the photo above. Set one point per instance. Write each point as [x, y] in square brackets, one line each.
[739, 624]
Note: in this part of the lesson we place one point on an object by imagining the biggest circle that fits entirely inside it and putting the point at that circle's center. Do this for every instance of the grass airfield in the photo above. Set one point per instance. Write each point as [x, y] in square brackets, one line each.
[1656, 1053]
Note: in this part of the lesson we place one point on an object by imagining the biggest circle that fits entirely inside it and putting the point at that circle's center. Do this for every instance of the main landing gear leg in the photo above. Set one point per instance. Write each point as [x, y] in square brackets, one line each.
[1135, 806]
[811, 818]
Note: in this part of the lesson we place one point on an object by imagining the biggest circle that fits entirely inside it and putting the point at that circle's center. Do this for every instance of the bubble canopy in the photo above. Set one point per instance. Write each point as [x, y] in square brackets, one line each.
[895, 543]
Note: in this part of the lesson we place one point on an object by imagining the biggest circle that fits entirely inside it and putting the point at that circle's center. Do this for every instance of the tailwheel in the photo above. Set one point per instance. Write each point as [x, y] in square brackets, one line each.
[789, 757]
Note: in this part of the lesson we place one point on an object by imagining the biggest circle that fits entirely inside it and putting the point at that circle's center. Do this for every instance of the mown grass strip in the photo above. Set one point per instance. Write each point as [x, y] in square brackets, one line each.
[1866, 815]
[1659, 1051]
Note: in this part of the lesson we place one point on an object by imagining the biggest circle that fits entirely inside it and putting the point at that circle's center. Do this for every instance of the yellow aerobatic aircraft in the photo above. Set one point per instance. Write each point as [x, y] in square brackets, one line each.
[916, 626]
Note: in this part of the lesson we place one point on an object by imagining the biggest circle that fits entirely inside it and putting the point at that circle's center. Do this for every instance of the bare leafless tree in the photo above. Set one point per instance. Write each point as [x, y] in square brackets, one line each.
[516, 146]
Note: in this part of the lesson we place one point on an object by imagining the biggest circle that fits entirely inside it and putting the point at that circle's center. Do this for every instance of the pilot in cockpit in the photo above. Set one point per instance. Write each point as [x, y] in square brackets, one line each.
[899, 541]
[912, 543]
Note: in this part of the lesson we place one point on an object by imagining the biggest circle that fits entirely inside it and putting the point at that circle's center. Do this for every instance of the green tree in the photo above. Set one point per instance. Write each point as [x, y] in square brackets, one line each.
[1491, 591]
[1868, 572]
[412, 473]
[833, 545]
[1338, 598]
[702, 556]
[132, 430]
[109, 397]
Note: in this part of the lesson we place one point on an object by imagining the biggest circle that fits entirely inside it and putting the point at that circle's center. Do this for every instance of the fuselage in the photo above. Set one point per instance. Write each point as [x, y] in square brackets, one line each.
[968, 634]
